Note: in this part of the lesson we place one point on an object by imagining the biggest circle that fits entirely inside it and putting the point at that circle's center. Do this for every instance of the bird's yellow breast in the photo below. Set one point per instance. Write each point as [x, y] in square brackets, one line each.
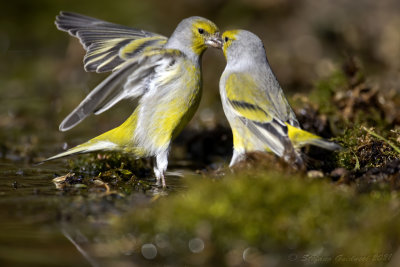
[178, 106]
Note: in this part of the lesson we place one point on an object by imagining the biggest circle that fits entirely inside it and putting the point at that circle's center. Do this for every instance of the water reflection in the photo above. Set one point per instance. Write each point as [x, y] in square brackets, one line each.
[48, 225]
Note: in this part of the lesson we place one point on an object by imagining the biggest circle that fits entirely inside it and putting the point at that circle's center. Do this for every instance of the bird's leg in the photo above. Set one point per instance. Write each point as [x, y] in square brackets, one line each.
[164, 184]
[236, 157]
[291, 156]
[156, 171]
[161, 166]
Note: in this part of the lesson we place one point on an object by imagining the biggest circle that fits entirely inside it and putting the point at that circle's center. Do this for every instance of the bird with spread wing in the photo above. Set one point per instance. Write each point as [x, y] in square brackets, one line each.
[164, 74]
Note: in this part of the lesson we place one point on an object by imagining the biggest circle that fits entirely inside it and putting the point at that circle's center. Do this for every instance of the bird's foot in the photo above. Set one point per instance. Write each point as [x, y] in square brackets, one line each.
[161, 179]
[164, 185]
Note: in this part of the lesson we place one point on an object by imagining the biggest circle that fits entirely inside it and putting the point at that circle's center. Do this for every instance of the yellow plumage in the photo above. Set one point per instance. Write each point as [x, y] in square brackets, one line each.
[164, 74]
[254, 104]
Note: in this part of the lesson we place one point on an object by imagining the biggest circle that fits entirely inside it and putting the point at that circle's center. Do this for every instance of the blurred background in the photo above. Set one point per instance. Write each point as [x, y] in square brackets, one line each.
[42, 77]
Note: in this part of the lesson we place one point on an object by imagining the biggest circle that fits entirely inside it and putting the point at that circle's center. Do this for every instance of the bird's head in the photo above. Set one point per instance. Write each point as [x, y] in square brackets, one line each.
[198, 33]
[239, 45]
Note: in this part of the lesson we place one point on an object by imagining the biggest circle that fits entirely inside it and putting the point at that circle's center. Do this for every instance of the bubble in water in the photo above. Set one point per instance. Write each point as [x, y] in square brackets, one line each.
[196, 245]
[249, 254]
[149, 251]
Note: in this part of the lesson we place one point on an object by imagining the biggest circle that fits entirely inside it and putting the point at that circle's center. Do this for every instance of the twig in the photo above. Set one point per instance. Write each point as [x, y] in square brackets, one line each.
[357, 167]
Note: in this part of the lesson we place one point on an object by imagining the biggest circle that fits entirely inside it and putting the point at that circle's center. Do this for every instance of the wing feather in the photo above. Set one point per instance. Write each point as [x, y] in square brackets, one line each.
[130, 81]
[103, 40]
[257, 112]
[269, 117]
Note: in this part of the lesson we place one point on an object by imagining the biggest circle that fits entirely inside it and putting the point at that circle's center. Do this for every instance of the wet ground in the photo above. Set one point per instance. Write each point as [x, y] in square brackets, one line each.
[30, 211]
[40, 223]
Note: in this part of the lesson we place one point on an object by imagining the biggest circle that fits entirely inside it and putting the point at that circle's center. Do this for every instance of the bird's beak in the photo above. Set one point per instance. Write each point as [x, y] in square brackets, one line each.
[214, 40]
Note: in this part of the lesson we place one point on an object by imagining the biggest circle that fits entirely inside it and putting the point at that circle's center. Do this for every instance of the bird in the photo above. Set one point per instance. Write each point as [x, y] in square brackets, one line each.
[254, 103]
[164, 74]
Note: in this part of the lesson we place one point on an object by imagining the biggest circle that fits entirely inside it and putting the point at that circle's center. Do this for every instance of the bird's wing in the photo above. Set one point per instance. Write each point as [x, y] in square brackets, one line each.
[257, 111]
[281, 106]
[130, 81]
[108, 46]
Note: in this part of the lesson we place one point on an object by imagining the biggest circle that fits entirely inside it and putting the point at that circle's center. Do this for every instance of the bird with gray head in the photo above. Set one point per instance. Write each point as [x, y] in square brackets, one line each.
[163, 74]
[255, 105]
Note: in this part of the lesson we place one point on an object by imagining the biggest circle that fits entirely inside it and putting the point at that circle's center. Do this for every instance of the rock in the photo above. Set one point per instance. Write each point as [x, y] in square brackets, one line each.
[315, 174]
[339, 173]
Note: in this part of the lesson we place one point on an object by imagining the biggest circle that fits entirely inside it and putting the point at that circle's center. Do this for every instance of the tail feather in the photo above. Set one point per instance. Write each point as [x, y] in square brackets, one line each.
[301, 138]
[324, 144]
[119, 138]
[269, 135]
[90, 146]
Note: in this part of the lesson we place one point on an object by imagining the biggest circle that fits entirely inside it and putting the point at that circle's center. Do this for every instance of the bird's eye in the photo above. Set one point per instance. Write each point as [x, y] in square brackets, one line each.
[201, 31]
[226, 39]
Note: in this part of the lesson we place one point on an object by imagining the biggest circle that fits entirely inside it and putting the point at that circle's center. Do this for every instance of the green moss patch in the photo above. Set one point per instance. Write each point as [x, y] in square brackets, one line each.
[277, 216]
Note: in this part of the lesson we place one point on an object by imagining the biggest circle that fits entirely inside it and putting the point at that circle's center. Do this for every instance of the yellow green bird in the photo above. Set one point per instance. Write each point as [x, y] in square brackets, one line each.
[163, 73]
[255, 106]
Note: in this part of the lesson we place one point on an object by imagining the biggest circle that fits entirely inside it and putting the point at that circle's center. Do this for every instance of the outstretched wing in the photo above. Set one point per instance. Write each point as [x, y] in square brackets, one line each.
[130, 81]
[257, 111]
[108, 45]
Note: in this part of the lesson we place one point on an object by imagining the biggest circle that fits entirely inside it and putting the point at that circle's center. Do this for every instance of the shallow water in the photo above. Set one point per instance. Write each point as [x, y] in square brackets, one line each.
[29, 211]
[45, 226]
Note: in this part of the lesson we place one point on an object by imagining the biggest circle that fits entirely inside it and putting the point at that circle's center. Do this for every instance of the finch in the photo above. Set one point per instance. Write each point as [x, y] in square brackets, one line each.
[258, 112]
[164, 74]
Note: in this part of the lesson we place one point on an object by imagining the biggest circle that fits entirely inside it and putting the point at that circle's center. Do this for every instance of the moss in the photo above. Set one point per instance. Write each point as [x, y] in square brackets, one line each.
[324, 90]
[363, 120]
[274, 213]
[362, 149]
[344, 100]
[109, 171]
